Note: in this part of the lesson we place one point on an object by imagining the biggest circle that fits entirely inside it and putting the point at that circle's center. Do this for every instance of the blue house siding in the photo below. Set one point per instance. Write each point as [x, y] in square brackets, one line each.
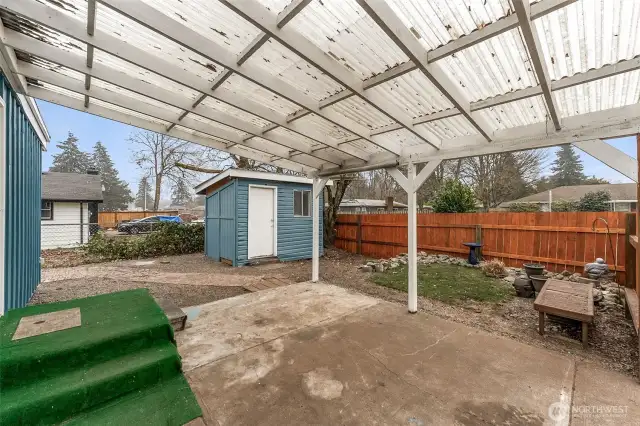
[22, 203]
[295, 234]
[220, 224]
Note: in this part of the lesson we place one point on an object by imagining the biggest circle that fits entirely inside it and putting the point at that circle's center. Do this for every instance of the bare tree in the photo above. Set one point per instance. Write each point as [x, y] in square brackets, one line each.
[333, 195]
[157, 154]
[496, 178]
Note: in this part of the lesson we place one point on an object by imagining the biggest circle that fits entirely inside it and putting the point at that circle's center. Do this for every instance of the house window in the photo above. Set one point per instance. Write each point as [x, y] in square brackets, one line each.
[46, 210]
[302, 203]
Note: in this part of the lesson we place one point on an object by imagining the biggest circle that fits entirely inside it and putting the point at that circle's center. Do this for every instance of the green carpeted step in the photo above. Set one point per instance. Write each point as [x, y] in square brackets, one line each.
[169, 403]
[113, 325]
[59, 398]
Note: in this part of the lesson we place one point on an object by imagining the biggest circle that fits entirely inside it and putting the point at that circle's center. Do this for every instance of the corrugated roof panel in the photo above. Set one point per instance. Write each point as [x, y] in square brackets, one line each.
[589, 34]
[496, 66]
[318, 124]
[344, 31]
[276, 6]
[128, 112]
[437, 22]
[59, 90]
[231, 110]
[43, 63]
[414, 94]
[513, 114]
[215, 125]
[613, 92]
[366, 146]
[128, 96]
[145, 39]
[402, 137]
[210, 19]
[449, 128]
[286, 133]
[247, 89]
[153, 79]
[361, 112]
[201, 135]
[277, 60]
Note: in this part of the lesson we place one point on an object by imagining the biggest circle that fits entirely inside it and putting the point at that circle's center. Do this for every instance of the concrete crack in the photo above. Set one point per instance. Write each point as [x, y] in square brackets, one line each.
[431, 345]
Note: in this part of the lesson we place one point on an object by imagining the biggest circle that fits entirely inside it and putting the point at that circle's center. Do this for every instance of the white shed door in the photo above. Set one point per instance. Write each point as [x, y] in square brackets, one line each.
[261, 222]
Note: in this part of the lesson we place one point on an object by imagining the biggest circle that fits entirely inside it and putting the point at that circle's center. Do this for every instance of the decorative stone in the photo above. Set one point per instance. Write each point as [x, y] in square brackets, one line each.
[366, 268]
[597, 296]
[378, 267]
[36, 325]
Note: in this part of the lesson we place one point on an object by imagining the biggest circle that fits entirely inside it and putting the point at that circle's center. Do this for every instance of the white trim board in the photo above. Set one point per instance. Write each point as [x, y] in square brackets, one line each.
[250, 174]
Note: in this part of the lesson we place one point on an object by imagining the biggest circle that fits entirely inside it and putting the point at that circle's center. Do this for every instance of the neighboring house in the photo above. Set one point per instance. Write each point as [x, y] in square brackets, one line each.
[69, 208]
[252, 215]
[23, 137]
[623, 196]
[361, 205]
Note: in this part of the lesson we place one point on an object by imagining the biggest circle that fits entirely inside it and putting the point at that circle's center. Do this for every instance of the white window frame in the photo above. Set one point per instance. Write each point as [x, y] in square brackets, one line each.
[50, 210]
[309, 202]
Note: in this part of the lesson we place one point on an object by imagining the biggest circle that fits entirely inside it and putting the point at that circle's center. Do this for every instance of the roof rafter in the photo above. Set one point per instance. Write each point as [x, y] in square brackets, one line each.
[538, 10]
[532, 41]
[49, 16]
[69, 83]
[389, 22]
[77, 104]
[162, 24]
[262, 18]
[91, 28]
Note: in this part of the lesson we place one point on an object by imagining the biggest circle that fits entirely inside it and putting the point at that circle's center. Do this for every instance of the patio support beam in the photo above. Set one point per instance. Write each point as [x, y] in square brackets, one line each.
[122, 117]
[610, 156]
[503, 25]
[261, 17]
[532, 41]
[318, 186]
[411, 183]
[91, 28]
[391, 24]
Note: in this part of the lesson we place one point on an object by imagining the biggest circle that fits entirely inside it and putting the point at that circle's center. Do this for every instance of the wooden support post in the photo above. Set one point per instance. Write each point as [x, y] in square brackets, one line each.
[637, 252]
[630, 255]
[479, 241]
[315, 251]
[359, 235]
[412, 237]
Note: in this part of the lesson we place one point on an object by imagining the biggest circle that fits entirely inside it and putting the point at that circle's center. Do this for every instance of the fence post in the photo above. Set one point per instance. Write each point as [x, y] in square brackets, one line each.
[479, 241]
[630, 252]
[359, 234]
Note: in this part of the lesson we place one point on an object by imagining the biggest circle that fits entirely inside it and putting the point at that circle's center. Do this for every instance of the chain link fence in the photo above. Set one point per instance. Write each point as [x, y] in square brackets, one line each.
[66, 235]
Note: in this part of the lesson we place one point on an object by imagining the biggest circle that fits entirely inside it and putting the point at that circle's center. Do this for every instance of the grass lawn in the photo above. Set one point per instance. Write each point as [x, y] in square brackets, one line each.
[448, 283]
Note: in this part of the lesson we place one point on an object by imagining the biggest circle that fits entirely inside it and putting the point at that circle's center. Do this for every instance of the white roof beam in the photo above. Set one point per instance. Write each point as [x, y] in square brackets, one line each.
[157, 21]
[389, 22]
[610, 156]
[49, 16]
[77, 104]
[69, 83]
[261, 17]
[9, 55]
[532, 41]
[607, 124]
[290, 11]
[91, 27]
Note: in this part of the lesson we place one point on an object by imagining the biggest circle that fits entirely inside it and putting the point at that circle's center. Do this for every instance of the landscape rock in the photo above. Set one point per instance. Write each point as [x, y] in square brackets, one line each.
[378, 267]
[597, 296]
[366, 268]
[566, 273]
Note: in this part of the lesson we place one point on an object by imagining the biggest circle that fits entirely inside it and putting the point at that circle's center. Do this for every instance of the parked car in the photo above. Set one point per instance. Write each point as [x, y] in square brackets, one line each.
[146, 224]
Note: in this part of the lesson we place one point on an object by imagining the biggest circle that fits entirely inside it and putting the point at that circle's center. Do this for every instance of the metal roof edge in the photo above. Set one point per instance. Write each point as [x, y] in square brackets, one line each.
[252, 174]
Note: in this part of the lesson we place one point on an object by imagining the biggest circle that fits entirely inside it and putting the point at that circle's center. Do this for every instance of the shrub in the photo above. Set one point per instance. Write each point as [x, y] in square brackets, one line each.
[564, 206]
[594, 201]
[494, 268]
[168, 239]
[524, 207]
[454, 197]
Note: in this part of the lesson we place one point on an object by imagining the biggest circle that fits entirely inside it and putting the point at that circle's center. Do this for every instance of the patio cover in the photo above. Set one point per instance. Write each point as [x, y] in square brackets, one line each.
[330, 86]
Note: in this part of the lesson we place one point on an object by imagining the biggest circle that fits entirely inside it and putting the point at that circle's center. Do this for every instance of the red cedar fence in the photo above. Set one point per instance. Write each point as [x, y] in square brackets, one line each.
[558, 240]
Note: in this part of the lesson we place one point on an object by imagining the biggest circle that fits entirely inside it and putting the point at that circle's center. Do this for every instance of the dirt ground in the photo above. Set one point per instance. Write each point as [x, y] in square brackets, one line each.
[193, 279]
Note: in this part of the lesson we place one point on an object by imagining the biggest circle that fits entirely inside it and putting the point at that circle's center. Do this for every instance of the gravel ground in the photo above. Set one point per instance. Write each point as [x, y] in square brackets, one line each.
[193, 279]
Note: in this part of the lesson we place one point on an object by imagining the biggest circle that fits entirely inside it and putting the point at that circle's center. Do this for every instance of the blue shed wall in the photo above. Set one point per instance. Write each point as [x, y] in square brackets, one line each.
[22, 203]
[220, 223]
[294, 233]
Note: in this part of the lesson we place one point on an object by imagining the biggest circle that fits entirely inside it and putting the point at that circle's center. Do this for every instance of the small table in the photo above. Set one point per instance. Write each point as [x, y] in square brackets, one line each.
[473, 260]
[568, 300]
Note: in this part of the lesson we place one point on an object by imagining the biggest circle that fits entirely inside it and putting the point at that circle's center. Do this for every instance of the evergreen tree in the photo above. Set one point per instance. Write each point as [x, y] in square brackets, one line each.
[71, 159]
[567, 168]
[144, 188]
[115, 191]
[181, 193]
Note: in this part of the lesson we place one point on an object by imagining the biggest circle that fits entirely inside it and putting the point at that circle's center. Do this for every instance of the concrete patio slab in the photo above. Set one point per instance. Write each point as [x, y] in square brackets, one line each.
[317, 354]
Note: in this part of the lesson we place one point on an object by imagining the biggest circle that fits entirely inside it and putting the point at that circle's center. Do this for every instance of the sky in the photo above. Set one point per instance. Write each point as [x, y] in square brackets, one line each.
[89, 129]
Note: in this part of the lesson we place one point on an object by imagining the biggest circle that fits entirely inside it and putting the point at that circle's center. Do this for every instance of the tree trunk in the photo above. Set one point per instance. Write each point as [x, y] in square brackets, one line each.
[333, 198]
[156, 200]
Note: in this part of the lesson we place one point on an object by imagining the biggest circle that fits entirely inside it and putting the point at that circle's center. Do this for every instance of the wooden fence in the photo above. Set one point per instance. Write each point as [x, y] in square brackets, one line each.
[108, 219]
[563, 240]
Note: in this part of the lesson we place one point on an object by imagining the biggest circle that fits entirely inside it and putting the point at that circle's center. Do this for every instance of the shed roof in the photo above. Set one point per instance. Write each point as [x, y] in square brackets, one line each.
[251, 174]
[330, 86]
[58, 186]
[618, 191]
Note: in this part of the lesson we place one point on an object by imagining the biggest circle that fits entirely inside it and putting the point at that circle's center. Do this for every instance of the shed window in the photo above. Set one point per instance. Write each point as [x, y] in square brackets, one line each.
[302, 203]
[46, 210]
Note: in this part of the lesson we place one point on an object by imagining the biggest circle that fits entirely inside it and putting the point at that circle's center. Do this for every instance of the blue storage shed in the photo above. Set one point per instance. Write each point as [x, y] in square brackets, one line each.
[253, 215]
[23, 137]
